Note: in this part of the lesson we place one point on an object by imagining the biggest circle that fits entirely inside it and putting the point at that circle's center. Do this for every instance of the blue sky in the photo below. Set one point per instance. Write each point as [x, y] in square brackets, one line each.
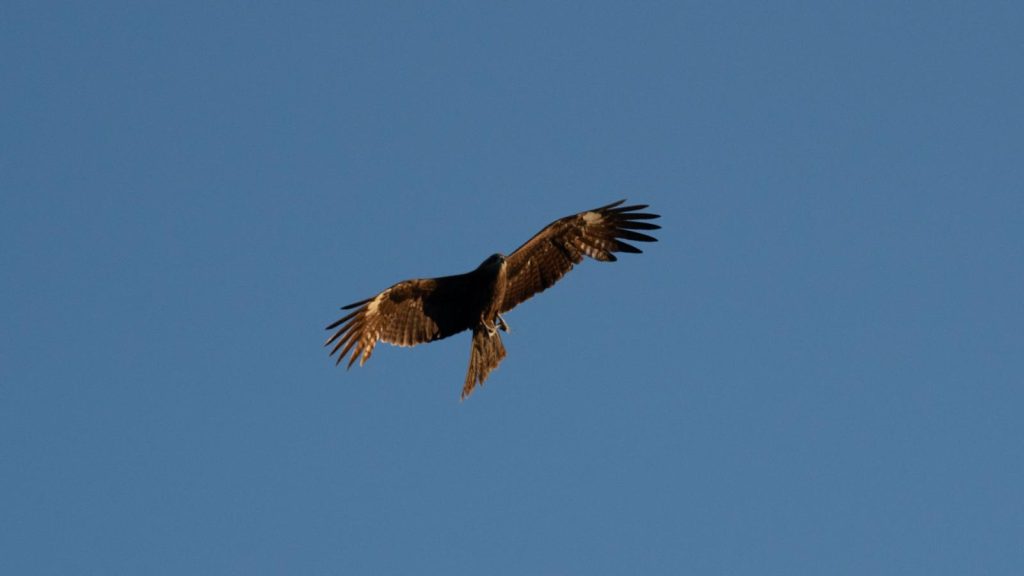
[817, 370]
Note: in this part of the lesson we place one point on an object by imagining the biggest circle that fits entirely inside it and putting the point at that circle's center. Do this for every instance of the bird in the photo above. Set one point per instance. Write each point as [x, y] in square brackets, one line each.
[424, 310]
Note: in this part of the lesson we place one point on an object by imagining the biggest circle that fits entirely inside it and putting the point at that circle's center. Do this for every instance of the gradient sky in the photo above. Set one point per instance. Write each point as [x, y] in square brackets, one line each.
[817, 370]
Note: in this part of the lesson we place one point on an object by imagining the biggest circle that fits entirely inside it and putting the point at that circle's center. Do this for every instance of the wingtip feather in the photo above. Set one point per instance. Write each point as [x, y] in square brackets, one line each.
[354, 304]
[621, 246]
[630, 235]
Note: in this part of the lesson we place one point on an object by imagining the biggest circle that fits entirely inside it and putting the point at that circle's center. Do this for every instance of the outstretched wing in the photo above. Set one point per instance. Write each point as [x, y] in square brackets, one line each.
[406, 314]
[552, 252]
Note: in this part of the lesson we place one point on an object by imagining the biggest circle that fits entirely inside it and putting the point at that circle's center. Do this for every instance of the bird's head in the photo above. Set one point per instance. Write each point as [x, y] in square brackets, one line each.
[493, 260]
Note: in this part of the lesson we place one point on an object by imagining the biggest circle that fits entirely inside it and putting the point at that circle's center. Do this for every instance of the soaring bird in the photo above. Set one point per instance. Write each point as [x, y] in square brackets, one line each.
[428, 309]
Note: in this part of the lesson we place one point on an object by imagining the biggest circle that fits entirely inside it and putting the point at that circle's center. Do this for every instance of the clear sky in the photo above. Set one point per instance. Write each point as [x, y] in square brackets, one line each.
[817, 370]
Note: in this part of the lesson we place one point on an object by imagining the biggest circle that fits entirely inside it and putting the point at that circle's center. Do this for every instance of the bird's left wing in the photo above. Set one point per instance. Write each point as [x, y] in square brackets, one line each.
[552, 252]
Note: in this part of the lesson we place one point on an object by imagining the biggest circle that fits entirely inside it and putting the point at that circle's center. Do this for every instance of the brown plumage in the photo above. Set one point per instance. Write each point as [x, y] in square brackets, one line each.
[428, 309]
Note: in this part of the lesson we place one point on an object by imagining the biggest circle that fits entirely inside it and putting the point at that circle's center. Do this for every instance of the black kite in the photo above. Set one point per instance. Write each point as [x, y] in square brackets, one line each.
[428, 309]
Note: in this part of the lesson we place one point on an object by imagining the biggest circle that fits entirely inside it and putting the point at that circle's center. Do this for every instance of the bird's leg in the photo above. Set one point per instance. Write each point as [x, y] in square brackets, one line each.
[493, 325]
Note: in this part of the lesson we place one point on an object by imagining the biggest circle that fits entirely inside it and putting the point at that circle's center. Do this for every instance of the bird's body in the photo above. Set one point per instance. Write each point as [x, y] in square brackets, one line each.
[423, 310]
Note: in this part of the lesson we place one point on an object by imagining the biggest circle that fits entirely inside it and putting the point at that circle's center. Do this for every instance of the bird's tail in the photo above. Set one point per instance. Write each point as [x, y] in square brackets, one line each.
[487, 353]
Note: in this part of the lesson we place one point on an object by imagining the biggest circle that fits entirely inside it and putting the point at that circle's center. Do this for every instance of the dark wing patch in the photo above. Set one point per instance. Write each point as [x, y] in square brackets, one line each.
[552, 252]
[406, 314]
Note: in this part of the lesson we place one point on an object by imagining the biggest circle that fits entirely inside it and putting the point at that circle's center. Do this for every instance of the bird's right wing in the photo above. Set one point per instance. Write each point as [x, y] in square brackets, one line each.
[406, 314]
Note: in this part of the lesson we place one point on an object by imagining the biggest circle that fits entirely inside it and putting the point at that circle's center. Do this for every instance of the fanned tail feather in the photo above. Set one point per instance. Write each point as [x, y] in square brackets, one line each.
[488, 351]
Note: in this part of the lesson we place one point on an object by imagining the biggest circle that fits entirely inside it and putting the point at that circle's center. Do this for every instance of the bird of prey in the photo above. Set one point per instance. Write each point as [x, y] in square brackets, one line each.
[427, 309]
